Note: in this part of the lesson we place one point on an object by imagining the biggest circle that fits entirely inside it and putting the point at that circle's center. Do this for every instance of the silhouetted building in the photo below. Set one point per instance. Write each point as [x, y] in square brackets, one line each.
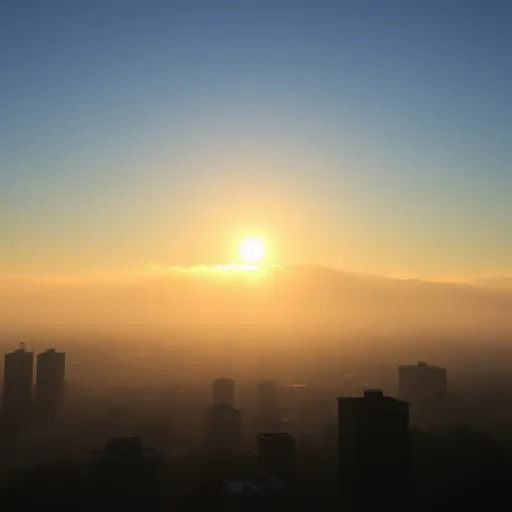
[17, 397]
[425, 388]
[156, 434]
[373, 451]
[224, 392]
[276, 452]
[270, 417]
[224, 428]
[295, 400]
[51, 368]
[125, 475]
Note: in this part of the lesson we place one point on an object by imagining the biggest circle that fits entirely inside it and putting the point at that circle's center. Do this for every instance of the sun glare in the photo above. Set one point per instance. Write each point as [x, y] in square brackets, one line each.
[251, 250]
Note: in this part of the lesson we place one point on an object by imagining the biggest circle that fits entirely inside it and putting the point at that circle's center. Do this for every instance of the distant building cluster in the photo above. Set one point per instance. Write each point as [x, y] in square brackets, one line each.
[373, 451]
[20, 407]
[372, 432]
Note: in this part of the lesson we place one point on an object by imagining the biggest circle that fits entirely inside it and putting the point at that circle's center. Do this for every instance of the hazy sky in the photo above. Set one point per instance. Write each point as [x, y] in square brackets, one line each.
[365, 135]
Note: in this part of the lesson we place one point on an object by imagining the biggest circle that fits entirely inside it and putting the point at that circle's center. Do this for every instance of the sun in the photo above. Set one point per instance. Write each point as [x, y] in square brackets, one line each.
[251, 250]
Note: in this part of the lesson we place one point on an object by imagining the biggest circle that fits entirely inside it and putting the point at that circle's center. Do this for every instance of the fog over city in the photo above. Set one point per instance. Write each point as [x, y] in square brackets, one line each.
[277, 299]
[255, 256]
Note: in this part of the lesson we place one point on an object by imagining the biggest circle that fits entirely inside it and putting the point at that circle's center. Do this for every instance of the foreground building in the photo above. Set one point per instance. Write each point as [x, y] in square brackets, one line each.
[124, 475]
[373, 451]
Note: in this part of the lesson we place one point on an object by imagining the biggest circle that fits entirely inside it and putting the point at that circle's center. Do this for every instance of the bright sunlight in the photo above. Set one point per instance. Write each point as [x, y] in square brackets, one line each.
[251, 250]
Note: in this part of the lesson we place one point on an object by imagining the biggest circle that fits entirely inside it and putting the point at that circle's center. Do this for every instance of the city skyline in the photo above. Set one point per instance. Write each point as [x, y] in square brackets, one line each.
[355, 136]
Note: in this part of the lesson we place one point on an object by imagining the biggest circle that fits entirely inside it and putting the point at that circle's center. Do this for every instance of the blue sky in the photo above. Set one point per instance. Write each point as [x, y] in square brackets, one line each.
[366, 135]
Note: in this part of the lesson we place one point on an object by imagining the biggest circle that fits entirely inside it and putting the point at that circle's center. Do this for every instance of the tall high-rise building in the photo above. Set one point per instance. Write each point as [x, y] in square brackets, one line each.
[18, 387]
[269, 408]
[224, 428]
[51, 368]
[276, 452]
[295, 399]
[425, 388]
[224, 392]
[373, 451]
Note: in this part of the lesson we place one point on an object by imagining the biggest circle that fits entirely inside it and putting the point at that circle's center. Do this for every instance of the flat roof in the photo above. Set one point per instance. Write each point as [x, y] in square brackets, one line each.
[124, 448]
[371, 399]
[421, 366]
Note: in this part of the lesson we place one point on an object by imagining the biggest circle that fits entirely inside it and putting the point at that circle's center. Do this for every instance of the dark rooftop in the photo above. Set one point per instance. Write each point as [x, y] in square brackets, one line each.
[124, 447]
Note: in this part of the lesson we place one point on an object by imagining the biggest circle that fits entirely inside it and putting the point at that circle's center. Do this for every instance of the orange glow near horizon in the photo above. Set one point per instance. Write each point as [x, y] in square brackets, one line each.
[235, 267]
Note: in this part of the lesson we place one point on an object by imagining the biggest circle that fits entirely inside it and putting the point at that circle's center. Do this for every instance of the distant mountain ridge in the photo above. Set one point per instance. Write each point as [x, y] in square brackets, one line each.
[305, 297]
[498, 283]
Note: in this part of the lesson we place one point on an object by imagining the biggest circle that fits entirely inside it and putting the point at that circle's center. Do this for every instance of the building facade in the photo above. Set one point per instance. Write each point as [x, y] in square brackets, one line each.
[425, 388]
[276, 452]
[224, 392]
[51, 370]
[224, 428]
[373, 451]
[269, 419]
[17, 396]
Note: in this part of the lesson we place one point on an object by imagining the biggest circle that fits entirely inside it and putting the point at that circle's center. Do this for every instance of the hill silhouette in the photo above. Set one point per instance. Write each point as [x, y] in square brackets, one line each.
[497, 283]
[306, 297]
